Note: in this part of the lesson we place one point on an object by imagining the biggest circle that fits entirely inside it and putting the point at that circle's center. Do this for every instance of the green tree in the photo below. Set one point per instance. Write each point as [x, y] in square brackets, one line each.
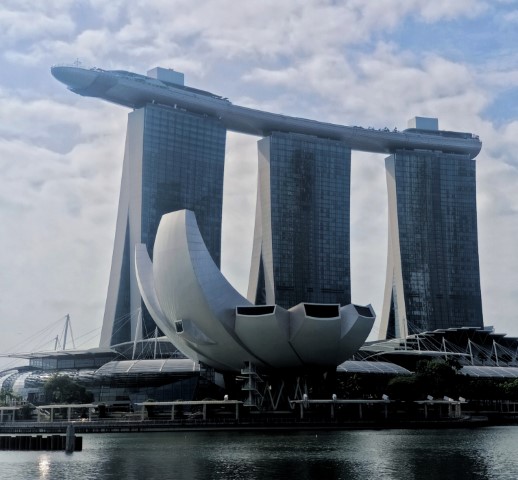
[25, 412]
[437, 377]
[432, 377]
[62, 389]
[7, 397]
[510, 389]
[402, 387]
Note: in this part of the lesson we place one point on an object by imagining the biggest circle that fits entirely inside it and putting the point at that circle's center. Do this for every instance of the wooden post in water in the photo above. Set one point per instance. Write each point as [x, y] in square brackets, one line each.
[71, 439]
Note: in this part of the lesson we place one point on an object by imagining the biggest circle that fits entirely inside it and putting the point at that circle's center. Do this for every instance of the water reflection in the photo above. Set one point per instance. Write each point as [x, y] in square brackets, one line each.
[44, 466]
[432, 455]
[394, 454]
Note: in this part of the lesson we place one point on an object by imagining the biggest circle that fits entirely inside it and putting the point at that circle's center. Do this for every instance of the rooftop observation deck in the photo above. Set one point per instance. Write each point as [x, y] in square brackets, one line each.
[135, 91]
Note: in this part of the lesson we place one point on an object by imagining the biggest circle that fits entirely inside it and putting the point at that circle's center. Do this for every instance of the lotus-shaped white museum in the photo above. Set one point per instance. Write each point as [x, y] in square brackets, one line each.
[209, 321]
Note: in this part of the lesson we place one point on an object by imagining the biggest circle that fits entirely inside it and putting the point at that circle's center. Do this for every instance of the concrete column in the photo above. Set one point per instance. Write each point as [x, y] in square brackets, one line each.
[69, 413]
[70, 439]
[204, 411]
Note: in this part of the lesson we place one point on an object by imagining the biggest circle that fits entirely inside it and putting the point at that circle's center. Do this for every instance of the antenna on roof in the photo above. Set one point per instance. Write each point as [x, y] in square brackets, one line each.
[67, 328]
[137, 336]
[67, 323]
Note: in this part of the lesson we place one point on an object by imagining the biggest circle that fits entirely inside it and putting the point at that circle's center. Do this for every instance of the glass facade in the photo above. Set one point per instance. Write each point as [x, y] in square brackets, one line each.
[182, 168]
[305, 212]
[71, 361]
[174, 160]
[435, 202]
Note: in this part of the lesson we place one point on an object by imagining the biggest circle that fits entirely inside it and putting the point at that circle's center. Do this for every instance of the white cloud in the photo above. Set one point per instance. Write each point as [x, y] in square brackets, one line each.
[511, 17]
[446, 10]
[57, 208]
[20, 23]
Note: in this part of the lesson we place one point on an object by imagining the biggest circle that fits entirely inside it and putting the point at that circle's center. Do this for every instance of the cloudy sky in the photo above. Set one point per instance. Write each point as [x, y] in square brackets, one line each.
[353, 62]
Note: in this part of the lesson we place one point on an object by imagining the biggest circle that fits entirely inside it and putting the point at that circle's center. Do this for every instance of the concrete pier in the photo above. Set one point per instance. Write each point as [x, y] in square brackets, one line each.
[38, 442]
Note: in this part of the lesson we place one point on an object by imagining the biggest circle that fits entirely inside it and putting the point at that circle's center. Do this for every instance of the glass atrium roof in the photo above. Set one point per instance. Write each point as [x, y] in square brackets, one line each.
[131, 367]
[490, 372]
[387, 368]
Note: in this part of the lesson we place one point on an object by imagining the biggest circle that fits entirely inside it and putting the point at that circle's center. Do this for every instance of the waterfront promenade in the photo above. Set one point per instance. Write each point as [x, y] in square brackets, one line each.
[259, 424]
[227, 415]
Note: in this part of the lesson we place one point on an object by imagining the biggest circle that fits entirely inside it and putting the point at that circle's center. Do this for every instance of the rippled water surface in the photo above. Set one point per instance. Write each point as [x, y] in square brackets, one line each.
[487, 453]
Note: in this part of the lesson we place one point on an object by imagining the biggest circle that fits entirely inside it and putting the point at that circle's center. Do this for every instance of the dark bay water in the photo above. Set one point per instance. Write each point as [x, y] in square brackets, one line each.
[488, 453]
